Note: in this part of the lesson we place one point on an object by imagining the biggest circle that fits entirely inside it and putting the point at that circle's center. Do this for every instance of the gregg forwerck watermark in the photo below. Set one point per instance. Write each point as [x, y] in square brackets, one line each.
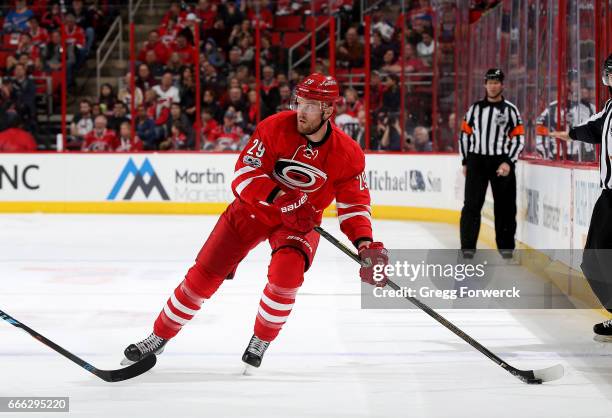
[445, 279]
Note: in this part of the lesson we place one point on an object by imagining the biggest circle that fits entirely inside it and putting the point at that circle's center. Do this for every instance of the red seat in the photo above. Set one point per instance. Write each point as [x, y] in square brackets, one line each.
[289, 23]
[3, 56]
[310, 22]
[292, 38]
[275, 38]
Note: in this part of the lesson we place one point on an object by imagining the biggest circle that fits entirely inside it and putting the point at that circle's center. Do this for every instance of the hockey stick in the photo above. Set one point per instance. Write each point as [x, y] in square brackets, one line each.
[134, 370]
[528, 376]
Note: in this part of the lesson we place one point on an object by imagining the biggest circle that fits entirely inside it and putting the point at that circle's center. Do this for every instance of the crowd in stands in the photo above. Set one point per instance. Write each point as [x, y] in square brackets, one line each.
[159, 113]
[30, 52]
[387, 64]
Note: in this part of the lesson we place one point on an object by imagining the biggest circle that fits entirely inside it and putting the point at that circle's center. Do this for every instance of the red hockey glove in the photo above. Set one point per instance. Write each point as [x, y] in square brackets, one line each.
[373, 254]
[297, 213]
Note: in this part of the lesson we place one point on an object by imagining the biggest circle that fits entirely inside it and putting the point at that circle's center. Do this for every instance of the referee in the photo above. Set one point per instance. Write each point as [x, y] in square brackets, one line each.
[596, 260]
[492, 137]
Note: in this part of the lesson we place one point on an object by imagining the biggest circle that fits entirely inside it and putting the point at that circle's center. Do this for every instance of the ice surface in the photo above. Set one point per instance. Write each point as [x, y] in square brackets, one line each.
[95, 283]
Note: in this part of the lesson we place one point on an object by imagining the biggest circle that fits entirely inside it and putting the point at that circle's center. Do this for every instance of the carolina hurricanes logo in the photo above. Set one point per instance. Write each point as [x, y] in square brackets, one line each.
[298, 175]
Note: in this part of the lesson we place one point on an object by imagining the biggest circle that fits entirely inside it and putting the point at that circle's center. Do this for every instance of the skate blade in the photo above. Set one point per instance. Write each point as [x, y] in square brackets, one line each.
[248, 370]
[603, 338]
[126, 362]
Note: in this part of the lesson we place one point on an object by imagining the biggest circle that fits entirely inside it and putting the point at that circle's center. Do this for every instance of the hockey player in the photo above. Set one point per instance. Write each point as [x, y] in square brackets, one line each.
[492, 137]
[294, 165]
[575, 111]
[596, 261]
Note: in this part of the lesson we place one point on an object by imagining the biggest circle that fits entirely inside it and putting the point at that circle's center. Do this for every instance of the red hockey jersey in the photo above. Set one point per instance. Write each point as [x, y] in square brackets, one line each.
[278, 156]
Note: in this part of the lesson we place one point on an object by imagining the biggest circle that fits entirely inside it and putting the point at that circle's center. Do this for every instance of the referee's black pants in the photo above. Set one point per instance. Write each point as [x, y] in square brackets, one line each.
[597, 258]
[481, 169]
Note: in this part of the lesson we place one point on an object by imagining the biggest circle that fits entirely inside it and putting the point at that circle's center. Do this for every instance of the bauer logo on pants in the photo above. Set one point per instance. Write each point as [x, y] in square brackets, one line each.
[138, 181]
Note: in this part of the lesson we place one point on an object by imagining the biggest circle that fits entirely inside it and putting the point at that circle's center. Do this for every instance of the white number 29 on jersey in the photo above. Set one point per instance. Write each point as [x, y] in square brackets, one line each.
[257, 149]
[363, 184]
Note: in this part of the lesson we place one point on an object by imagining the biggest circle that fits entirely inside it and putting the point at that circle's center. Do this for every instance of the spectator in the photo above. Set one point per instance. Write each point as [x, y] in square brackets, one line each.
[17, 19]
[152, 62]
[84, 19]
[145, 79]
[100, 138]
[145, 129]
[219, 33]
[75, 40]
[209, 101]
[157, 111]
[166, 92]
[229, 136]
[23, 94]
[174, 66]
[232, 16]
[352, 103]
[391, 93]
[269, 53]
[52, 20]
[446, 138]
[52, 57]
[391, 138]
[389, 63]
[251, 114]
[125, 141]
[231, 67]
[187, 93]
[285, 97]
[421, 141]
[378, 49]
[95, 110]
[385, 30]
[426, 47]
[209, 124]
[269, 88]
[237, 103]
[124, 95]
[40, 35]
[107, 99]
[118, 116]
[177, 115]
[168, 33]
[25, 47]
[212, 54]
[184, 50]
[345, 121]
[175, 13]
[154, 44]
[350, 51]
[362, 120]
[242, 74]
[177, 140]
[206, 13]
[247, 50]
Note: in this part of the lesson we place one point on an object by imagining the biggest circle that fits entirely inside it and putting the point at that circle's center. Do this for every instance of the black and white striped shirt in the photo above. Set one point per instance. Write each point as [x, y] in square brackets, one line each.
[598, 130]
[492, 128]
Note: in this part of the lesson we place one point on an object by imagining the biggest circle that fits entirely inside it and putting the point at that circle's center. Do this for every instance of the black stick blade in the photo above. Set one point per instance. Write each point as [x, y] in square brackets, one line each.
[129, 372]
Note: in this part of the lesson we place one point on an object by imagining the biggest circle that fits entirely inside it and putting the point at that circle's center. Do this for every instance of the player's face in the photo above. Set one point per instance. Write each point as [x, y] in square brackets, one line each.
[309, 113]
[494, 88]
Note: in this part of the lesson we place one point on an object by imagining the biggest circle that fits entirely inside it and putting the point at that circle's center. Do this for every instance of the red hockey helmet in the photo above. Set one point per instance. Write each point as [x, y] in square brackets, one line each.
[323, 88]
